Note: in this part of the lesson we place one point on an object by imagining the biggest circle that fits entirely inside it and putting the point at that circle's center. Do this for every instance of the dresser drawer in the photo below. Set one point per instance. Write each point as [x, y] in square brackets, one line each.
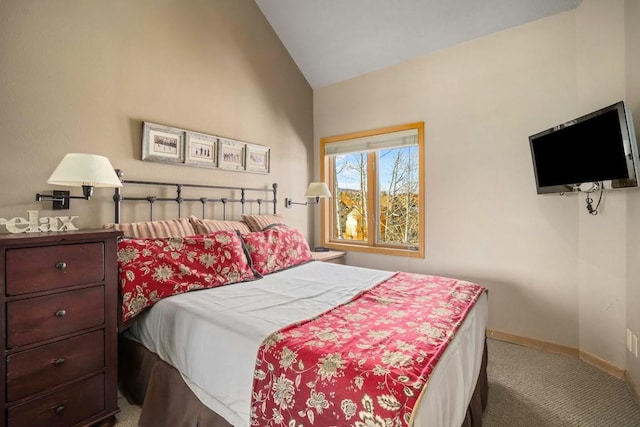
[41, 368]
[51, 267]
[36, 319]
[67, 407]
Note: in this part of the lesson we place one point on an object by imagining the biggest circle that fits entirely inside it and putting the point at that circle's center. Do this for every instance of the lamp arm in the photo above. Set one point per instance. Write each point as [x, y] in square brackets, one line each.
[60, 199]
[49, 197]
[288, 202]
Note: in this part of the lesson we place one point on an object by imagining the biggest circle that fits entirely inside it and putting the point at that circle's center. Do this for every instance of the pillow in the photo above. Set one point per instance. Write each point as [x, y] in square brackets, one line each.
[152, 269]
[179, 227]
[206, 226]
[276, 248]
[259, 222]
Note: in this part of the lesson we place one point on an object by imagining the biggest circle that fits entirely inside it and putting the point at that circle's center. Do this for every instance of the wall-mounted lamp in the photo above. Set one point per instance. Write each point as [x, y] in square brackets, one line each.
[316, 189]
[80, 170]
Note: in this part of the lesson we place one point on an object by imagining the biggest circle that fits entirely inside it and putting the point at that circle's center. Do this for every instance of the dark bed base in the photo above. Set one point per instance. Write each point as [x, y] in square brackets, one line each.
[167, 401]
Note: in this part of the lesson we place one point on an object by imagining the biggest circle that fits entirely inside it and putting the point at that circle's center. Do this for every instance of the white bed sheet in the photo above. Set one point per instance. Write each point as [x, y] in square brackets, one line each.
[212, 337]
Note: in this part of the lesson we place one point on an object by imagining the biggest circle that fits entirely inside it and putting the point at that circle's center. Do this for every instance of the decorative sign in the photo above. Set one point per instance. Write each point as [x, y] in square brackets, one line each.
[33, 224]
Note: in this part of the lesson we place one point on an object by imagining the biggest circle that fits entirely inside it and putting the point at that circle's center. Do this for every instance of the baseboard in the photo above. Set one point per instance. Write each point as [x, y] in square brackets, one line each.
[603, 365]
[533, 343]
[592, 360]
[633, 387]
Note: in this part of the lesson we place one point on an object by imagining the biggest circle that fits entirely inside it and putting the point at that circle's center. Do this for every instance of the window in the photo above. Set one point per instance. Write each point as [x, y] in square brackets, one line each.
[377, 181]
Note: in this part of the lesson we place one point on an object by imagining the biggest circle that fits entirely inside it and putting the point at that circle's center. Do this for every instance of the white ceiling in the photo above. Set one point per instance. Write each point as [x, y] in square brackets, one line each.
[334, 40]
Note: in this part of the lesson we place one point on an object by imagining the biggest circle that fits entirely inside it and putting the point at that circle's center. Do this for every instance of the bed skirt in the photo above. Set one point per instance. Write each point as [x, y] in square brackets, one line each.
[166, 400]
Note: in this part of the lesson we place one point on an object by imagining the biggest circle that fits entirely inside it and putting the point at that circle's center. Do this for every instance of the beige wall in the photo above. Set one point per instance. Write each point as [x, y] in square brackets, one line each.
[554, 272]
[632, 17]
[81, 76]
[600, 80]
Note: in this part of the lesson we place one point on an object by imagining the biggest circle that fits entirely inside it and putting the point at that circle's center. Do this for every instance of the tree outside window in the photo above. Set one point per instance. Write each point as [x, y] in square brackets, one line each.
[376, 178]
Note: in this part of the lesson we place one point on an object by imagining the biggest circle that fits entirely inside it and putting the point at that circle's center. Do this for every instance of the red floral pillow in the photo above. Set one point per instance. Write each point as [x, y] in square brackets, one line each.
[276, 248]
[152, 269]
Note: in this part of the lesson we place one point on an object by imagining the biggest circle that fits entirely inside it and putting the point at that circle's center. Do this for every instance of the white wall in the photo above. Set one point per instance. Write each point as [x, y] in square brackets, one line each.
[554, 273]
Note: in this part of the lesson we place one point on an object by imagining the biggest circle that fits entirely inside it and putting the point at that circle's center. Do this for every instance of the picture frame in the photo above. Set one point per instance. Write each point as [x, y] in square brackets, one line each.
[167, 144]
[201, 150]
[162, 143]
[231, 154]
[257, 158]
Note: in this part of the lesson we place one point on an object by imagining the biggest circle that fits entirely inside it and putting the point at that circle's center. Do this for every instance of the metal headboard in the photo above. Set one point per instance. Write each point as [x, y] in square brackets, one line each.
[118, 197]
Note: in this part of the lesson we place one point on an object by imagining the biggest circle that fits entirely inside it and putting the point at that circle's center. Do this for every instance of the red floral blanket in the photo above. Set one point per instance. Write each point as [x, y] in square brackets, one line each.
[364, 363]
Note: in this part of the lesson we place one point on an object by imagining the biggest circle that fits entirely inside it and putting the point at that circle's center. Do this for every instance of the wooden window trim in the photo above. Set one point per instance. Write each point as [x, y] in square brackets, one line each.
[326, 218]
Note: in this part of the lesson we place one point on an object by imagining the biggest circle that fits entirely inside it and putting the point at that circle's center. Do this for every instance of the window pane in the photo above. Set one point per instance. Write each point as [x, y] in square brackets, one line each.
[398, 196]
[382, 212]
[350, 197]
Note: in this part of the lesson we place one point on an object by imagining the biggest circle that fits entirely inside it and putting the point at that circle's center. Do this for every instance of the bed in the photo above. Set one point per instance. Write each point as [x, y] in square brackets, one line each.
[222, 356]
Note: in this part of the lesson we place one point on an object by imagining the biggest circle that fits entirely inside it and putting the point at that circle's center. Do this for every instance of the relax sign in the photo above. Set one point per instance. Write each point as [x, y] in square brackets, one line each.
[33, 224]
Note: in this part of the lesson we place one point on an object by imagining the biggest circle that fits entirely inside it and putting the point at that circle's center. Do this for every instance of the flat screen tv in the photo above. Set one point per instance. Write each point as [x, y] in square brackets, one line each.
[598, 150]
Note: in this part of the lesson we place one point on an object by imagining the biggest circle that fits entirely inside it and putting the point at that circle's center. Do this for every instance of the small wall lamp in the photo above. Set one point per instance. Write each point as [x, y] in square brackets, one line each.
[80, 170]
[316, 189]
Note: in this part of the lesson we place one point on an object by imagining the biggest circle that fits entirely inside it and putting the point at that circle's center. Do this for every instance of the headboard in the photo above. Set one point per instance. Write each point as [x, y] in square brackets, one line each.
[158, 188]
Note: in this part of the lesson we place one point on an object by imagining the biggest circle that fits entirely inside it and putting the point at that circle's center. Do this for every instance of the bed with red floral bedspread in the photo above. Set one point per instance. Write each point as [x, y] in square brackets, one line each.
[365, 357]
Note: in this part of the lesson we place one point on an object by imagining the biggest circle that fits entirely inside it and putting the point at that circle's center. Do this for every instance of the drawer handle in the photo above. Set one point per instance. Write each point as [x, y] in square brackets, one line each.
[61, 265]
[59, 362]
[59, 409]
[61, 313]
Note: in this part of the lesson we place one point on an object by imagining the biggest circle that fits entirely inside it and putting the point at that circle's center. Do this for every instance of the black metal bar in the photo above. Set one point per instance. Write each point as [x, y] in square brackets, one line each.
[275, 198]
[151, 200]
[204, 201]
[171, 184]
[173, 199]
[179, 199]
[118, 197]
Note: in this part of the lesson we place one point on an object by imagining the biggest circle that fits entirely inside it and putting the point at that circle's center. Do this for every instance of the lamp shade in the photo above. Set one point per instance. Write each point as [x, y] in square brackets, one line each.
[318, 189]
[79, 169]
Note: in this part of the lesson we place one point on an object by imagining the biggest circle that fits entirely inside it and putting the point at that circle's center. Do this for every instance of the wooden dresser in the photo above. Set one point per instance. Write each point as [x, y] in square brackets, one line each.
[59, 310]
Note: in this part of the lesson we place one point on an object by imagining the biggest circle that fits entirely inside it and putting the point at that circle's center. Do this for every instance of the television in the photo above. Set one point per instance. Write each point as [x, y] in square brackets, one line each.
[595, 151]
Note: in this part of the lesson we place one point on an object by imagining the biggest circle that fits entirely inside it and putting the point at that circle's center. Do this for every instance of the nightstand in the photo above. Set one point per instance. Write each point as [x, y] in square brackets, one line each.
[335, 257]
[59, 296]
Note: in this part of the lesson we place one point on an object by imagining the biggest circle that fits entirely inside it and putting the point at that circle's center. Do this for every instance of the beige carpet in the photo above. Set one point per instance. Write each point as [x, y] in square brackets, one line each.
[533, 388]
[129, 414]
[530, 387]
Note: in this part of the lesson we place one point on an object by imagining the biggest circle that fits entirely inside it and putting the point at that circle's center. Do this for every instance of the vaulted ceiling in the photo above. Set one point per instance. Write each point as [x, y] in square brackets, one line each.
[335, 40]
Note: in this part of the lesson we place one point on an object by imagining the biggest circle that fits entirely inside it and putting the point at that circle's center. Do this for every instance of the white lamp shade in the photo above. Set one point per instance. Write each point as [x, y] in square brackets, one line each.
[77, 169]
[318, 189]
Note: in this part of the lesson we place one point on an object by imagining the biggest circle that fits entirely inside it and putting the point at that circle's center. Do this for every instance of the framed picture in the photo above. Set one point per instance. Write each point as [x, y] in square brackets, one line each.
[162, 143]
[257, 158]
[231, 154]
[201, 150]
